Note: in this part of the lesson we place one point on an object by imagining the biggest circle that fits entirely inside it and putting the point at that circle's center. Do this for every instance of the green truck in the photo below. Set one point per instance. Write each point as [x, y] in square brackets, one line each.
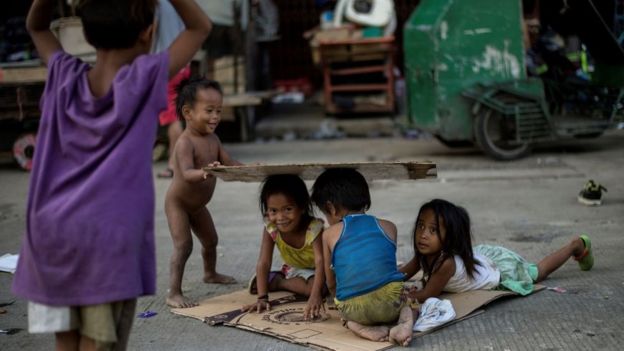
[501, 74]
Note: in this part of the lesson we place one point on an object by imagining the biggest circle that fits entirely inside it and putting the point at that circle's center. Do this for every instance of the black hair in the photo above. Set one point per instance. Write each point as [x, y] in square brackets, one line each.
[457, 240]
[291, 186]
[186, 92]
[344, 188]
[115, 24]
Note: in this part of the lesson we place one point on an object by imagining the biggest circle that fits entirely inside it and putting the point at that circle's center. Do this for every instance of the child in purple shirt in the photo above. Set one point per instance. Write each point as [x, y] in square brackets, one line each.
[88, 251]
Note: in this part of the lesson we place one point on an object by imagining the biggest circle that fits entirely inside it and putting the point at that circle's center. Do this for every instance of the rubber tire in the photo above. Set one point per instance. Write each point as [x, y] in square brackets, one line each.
[488, 146]
[589, 135]
[454, 144]
[24, 150]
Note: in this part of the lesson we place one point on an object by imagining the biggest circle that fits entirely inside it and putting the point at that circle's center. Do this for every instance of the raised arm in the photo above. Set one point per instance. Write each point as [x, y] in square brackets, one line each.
[38, 26]
[198, 26]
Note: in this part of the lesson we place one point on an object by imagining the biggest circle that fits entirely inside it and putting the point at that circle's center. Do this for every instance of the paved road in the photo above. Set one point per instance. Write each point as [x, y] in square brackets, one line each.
[528, 205]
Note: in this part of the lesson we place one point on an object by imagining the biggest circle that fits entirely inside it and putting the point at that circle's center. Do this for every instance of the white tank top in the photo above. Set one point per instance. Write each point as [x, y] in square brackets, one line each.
[485, 276]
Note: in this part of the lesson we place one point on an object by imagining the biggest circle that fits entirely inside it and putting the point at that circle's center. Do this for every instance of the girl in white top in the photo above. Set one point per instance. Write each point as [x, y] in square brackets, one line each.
[443, 251]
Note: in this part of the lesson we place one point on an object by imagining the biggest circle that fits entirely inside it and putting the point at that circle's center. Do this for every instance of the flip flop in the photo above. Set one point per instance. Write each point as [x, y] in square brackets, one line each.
[586, 259]
[252, 287]
[167, 173]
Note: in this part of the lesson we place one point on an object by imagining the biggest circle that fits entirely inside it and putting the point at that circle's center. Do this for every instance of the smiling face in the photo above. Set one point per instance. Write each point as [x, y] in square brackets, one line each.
[284, 213]
[430, 234]
[205, 114]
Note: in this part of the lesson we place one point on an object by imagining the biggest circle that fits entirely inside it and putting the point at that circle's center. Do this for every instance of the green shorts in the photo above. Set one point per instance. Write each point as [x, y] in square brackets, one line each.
[381, 306]
[517, 274]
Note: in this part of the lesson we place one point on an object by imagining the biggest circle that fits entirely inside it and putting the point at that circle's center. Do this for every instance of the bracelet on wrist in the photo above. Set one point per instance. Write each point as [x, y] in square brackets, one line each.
[264, 297]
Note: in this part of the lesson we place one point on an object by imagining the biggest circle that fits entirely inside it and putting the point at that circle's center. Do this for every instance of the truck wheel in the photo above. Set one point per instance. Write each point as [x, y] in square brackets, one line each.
[588, 135]
[24, 151]
[493, 133]
[454, 144]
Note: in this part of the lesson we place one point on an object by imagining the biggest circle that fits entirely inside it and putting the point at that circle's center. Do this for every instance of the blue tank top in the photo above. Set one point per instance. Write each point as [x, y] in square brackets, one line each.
[364, 257]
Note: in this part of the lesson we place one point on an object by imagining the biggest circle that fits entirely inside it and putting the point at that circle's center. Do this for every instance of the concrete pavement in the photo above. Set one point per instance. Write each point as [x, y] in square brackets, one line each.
[527, 205]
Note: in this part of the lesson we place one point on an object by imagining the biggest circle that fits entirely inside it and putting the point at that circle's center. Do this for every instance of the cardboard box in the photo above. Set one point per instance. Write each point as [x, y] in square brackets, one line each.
[330, 34]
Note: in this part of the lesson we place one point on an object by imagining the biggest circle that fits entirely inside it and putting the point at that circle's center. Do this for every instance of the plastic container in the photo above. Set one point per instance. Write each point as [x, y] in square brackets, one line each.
[69, 32]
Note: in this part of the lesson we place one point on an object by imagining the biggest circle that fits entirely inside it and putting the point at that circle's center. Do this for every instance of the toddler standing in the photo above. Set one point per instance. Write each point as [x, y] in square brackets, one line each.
[199, 102]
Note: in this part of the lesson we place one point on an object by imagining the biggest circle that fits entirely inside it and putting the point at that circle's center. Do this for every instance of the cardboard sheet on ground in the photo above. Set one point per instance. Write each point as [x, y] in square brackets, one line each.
[285, 320]
[310, 171]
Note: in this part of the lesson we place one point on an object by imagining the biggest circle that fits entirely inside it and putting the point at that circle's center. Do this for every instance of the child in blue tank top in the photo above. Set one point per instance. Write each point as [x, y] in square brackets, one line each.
[359, 253]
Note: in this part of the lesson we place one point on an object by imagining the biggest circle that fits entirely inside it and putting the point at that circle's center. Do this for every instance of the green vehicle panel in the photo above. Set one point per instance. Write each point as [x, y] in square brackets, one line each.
[452, 45]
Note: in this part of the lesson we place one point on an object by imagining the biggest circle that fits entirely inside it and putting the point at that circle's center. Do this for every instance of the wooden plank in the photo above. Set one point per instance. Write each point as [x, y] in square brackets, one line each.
[243, 99]
[358, 70]
[338, 42]
[359, 87]
[251, 98]
[310, 171]
[23, 74]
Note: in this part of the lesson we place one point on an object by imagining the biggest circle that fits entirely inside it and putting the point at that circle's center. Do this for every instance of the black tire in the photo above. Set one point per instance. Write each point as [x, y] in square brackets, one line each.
[454, 144]
[589, 135]
[493, 132]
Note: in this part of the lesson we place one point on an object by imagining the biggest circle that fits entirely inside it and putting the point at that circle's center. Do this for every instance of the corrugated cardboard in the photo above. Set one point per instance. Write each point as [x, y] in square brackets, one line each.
[284, 320]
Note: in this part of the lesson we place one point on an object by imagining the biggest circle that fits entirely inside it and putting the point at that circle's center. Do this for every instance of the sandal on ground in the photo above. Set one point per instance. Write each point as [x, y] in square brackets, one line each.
[252, 287]
[167, 173]
[586, 259]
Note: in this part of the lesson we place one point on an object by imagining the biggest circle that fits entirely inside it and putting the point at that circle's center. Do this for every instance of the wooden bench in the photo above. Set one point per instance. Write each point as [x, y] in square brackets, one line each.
[19, 76]
[244, 105]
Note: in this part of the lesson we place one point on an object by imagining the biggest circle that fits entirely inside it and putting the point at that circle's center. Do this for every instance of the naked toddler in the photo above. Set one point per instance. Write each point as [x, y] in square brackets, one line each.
[199, 103]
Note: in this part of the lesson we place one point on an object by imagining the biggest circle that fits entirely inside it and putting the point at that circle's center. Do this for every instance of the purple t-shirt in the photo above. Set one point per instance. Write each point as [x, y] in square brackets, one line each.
[90, 216]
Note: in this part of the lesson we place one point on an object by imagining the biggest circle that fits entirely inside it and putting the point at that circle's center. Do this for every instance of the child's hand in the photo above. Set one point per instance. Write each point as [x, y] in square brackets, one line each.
[409, 292]
[211, 164]
[313, 307]
[259, 306]
[207, 175]
[331, 303]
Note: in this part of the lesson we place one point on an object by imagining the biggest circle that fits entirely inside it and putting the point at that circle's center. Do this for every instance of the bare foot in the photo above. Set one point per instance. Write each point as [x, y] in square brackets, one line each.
[219, 279]
[401, 334]
[374, 333]
[179, 301]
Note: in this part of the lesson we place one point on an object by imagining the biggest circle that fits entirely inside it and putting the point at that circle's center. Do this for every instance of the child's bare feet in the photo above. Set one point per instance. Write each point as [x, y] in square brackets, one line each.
[374, 333]
[218, 279]
[401, 334]
[180, 301]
